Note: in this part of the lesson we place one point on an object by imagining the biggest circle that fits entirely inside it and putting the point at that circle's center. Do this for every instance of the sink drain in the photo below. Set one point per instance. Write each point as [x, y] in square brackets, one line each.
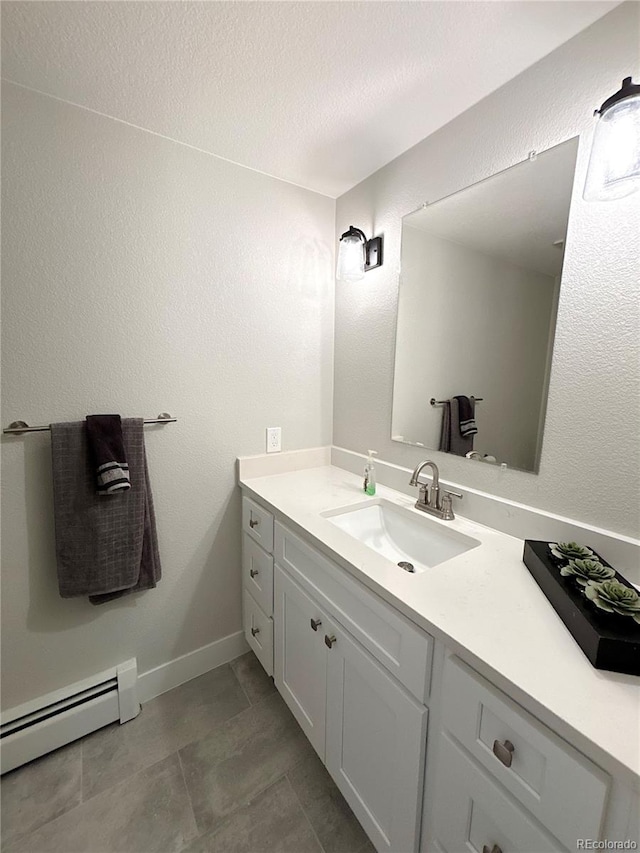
[408, 567]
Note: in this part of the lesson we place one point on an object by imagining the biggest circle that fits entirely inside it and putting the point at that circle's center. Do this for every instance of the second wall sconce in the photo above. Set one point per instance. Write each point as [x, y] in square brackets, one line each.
[357, 255]
[614, 165]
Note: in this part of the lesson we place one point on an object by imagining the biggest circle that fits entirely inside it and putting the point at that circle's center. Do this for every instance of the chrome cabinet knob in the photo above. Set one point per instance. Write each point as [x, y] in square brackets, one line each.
[255, 631]
[329, 640]
[254, 522]
[316, 623]
[494, 849]
[253, 572]
[504, 753]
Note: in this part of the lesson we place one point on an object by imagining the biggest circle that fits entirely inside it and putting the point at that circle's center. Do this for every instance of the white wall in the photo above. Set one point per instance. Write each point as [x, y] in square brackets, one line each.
[473, 324]
[142, 276]
[590, 464]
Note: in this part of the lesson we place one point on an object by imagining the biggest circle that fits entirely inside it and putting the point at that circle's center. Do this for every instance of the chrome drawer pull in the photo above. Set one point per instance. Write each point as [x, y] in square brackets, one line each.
[316, 623]
[494, 849]
[255, 631]
[329, 641]
[254, 522]
[253, 572]
[504, 753]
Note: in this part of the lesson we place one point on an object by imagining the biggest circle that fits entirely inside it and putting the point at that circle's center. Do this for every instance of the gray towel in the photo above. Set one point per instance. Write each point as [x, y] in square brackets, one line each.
[467, 414]
[451, 440]
[106, 546]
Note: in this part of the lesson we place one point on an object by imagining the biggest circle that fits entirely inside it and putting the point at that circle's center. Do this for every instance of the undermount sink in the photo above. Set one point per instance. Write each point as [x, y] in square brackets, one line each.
[413, 542]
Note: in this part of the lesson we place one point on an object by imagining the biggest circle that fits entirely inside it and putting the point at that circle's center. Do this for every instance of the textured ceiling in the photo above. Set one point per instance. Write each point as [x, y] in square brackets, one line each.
[318, 93]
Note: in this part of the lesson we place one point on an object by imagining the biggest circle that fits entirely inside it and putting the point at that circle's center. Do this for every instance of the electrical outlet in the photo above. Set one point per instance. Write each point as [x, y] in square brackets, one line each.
[274, 439]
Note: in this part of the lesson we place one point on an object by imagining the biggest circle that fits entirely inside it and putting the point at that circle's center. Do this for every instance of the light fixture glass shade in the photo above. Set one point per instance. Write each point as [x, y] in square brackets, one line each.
[350, 258]
[614, 165]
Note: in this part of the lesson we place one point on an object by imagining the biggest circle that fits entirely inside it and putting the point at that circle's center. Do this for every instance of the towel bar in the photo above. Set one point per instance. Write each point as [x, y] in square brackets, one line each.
[20, 427]
[435, 402]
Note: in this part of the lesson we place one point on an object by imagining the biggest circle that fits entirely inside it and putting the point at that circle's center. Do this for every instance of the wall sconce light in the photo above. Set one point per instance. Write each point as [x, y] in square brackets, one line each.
[614, 165]
[357, 255]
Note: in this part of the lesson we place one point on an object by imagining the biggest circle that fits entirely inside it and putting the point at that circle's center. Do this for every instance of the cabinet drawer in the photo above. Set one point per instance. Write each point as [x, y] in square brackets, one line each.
[472, 813]
[257, 522]
[258, 630]
[257, 574]
[559, 786]
[399, 645]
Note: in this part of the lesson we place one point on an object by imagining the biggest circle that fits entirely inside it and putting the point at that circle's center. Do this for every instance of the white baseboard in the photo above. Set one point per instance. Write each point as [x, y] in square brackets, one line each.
[121, 702]
[178, 671]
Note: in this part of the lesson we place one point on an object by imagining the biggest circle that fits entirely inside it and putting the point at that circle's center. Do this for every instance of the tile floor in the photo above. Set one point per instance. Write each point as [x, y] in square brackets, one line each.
[217, 765]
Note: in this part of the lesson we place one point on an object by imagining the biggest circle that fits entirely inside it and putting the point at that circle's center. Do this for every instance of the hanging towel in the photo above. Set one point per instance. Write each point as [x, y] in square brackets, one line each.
[106, 547]
[451, 439]
[467, 411]
[106, 449]
[445, 433]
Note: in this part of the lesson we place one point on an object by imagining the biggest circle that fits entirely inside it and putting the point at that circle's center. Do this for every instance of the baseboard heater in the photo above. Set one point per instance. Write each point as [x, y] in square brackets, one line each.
[51, 721]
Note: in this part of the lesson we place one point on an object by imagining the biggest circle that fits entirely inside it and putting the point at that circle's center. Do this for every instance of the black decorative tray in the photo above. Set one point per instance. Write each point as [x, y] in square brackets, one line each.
[609, 640]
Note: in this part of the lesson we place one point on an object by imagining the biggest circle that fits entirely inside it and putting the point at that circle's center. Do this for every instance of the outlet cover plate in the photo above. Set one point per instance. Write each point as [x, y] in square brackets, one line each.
[274, 439]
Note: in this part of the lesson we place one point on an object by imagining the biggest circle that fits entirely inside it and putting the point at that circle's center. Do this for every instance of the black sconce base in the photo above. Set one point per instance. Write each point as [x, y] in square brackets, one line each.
[373, 253]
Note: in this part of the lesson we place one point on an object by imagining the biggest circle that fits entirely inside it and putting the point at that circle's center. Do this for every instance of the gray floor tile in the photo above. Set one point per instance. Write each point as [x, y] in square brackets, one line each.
[163, 726]
[241, 758]
[272, 821]
[149, 812]
[252, 677]
[333, 821]
[41, 790]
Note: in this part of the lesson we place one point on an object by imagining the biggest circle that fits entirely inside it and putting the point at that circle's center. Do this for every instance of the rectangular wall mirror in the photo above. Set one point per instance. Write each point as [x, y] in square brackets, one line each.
[480, 281]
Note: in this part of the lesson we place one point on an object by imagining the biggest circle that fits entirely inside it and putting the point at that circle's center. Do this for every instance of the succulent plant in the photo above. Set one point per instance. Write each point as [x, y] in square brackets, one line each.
[570, 551]
[614, 597]
[587, 570]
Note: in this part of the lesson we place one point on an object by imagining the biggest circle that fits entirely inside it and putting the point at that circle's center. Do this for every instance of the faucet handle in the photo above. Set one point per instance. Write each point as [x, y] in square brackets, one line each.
[453, 494]
[446, 505]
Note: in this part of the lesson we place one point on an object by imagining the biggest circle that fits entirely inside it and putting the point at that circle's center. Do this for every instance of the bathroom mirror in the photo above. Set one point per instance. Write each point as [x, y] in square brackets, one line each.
[479, 288]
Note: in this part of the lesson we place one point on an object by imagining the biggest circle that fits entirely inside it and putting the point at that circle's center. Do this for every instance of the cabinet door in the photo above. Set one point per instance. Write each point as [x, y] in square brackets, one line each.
[301, 657]
[376, 739]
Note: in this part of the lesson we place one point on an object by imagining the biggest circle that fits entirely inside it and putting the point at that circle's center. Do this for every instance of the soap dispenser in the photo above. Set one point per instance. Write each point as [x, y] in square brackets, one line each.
[370, 475]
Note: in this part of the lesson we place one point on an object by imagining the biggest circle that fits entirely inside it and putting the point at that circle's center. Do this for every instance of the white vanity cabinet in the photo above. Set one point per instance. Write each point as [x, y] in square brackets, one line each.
[357, 675]
[393, 640]
[367, 729]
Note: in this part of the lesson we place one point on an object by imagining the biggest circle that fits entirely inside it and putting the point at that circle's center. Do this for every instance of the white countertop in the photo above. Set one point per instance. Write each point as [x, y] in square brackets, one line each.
[486, 606]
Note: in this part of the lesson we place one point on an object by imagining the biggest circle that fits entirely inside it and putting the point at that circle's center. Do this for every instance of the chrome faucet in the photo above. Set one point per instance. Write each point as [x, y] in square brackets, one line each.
[429, 498]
